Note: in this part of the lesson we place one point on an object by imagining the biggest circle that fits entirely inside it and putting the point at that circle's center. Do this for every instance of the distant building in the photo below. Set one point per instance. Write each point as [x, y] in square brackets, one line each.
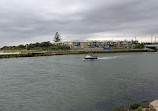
[97, 43]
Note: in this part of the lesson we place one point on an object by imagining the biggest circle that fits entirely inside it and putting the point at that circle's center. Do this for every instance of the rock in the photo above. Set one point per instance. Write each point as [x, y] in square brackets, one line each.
[146, 109]
[131, 110]
[123, 108]
[154, 105]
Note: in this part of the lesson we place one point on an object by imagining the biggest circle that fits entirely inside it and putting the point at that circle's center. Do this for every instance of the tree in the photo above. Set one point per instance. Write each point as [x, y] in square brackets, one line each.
[21, 46]
[57, 37]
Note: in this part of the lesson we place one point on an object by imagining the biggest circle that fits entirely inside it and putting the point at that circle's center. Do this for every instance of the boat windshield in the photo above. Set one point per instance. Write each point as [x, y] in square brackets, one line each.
[90, 54]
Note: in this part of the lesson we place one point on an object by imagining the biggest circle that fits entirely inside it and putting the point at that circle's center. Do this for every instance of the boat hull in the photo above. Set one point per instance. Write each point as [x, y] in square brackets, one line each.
[90, 58]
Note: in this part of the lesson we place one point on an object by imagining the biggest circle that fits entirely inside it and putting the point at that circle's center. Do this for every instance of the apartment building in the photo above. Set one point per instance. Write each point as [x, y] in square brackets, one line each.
[97, 43]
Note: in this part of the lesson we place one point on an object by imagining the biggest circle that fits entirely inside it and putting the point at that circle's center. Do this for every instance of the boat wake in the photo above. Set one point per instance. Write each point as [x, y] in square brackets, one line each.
[112, 57]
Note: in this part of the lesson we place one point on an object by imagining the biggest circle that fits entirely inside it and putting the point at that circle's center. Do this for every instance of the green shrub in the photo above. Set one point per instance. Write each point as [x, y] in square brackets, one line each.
[134, 106]
[140, 108]
[113, 110]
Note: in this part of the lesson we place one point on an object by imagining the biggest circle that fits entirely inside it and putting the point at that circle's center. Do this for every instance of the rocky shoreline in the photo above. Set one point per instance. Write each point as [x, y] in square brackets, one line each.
[153, 106]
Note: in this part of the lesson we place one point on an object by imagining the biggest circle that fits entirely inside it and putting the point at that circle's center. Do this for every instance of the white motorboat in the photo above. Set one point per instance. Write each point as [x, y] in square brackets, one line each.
[90, 56]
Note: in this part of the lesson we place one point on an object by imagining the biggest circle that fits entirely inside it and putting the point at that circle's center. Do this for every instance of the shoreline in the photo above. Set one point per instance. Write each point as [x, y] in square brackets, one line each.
[144, 106]
[66, 52]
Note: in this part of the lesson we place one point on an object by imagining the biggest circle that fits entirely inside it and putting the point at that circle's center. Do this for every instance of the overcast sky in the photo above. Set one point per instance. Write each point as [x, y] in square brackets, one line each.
[25, 21]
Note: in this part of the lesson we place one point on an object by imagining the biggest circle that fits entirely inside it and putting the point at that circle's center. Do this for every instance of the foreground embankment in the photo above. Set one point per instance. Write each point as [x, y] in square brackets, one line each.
[66, 52]
[153, 106]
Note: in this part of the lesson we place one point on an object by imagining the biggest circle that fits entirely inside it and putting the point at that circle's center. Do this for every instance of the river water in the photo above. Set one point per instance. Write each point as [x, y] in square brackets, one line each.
[69, 83]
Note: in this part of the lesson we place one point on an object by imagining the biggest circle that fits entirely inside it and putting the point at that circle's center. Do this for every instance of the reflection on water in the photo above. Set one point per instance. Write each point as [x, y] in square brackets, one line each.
[67, 83]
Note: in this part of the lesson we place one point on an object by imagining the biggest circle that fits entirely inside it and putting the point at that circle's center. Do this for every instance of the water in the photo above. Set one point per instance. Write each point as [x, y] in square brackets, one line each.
[67, 83]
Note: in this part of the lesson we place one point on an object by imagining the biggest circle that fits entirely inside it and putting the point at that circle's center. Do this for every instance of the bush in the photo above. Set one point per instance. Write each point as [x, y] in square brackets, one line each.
[134, 106]
[140, 108]
[113, 110]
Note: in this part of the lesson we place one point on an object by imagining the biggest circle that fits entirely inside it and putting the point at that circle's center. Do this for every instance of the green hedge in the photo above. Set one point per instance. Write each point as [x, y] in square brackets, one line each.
[36, 46]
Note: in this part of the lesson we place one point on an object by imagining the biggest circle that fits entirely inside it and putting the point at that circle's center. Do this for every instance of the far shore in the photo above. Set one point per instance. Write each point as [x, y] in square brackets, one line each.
[33, 53]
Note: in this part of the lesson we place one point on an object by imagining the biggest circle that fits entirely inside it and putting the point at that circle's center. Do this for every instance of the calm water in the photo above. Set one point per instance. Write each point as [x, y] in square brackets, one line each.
[67, 83]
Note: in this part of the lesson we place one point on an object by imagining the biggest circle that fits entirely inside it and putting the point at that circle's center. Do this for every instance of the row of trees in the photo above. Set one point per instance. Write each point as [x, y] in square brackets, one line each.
[38, 46]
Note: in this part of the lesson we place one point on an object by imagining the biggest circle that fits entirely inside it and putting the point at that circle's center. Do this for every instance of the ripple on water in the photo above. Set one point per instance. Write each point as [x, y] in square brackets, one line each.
[64, 83]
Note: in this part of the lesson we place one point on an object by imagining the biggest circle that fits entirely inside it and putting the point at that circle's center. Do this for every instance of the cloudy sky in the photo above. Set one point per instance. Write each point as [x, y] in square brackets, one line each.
[25, 21]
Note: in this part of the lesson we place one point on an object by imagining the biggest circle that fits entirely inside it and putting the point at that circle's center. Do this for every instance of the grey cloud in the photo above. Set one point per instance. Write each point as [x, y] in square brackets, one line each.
[127, 15]
[121, 16]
